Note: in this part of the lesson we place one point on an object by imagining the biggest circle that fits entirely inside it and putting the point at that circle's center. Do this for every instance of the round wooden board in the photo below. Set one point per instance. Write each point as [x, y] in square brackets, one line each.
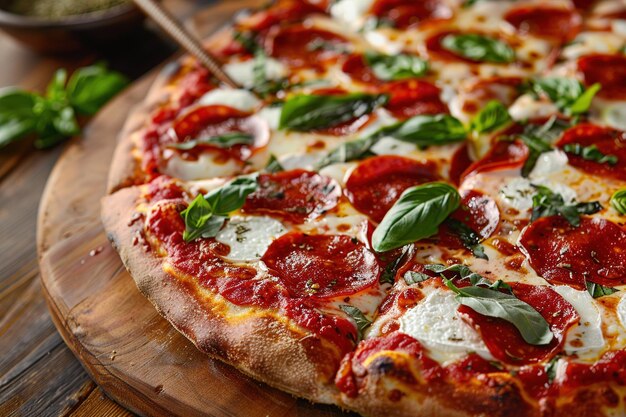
[134, 354]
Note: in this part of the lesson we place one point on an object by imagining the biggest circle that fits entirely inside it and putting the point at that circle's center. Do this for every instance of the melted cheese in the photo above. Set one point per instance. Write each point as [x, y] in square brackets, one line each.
[351, 13]
[238, 99]
[435, 324]
[585, 339]
[242, 72]
[249, 237]
[206, 166]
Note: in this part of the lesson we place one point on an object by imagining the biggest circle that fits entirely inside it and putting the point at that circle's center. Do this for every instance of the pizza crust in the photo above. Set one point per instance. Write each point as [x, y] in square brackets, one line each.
[260, 345]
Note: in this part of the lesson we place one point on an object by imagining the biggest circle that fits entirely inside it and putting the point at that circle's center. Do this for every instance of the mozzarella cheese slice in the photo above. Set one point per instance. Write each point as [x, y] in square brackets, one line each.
[584, 339]
[242, 72]
[249, 237]
[435, 324]
[238, 99]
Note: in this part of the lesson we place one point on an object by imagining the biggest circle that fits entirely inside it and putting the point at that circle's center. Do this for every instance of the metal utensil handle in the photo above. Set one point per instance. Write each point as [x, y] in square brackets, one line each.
[185, 39]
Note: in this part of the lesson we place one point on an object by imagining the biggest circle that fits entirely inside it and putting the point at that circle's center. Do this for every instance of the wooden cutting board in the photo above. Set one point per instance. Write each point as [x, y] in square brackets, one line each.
[128, 349]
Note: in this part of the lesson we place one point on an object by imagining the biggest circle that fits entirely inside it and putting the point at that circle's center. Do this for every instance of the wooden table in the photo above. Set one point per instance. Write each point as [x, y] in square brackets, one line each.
[39, 376]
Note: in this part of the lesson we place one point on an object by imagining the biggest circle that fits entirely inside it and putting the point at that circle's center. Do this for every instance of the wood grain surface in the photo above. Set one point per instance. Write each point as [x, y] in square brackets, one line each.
[125, 346]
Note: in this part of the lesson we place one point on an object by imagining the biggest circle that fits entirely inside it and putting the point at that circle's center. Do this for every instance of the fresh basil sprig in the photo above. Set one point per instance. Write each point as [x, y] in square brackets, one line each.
[590, 153]
[416, 215]
[362, 323]
[491, 117]
[568, 94]
[396, 67]
[206, 215]
[53, 117]
[470, 239]
[306, 112]
[479, 48]
[597, 290]
[225, 140]
[547, 203]
[422, 131]
[533, 328]
[618, 201]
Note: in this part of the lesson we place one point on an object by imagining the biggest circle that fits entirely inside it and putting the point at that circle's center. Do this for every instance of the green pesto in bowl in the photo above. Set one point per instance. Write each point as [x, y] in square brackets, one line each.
[57, 9]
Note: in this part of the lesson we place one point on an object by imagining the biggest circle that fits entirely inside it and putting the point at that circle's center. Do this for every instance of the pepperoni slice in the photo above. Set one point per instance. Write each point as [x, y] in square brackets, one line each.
[503, 339]
[412, 97]
[503, 155]
[346, 128]
[478, 94]
[356, 67]
[608, 141]
[410, 13]
[321, 266]
[608, 70]
[296, 195]
[194, 85]
[282, 12]
[556, 23]
[461, 161]
[302, 46]
[564, 254]
[376, 183]
[211, 121]
[478, 211]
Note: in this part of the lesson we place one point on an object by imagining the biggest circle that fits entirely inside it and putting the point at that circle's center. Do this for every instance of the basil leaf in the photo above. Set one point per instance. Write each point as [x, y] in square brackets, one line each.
[56, 87]
[583, 102]
[462, 271]
[491, 117]
[17, 118]
[416, 215]
[89, 88]
[479, 48]
[538, 139]
[225, 140]
[470, 239]
[547, 203]
[231, 196]
[413, 277]
[200, 220]
[389, 273]
[263, 85]
[362, 323]
[273, 165]
[427, 130]
[550, 369]
[590, 153]
[348, 151]
[492, 303]
[246, 39]
[597, 290]
[422, 130]
[396, 67]
[618, 201]
[567, 94]
[308, 112]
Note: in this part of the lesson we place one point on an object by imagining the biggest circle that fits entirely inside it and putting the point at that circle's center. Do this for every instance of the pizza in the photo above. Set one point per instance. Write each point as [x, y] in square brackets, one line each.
[409, 208]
